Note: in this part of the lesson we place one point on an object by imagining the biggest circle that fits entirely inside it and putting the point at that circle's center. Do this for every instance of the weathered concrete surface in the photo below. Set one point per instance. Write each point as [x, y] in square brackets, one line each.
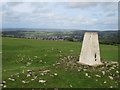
[90, 53]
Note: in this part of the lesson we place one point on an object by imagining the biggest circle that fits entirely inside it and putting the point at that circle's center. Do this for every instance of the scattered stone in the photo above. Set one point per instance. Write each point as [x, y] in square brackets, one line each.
[28, 75]
[97, 75]
[5, 86]
[57, 63]
[55, 74]
[105, 82]
[29, 70]
[103, 72]
[89, 76]
[96, 80]
[71, 86]
[110, 77]
[86, 74]
[32, 79]
[84, 69]
[12, 79]
[112, 68]
[42, 81]
[4, 82]
[23, 81]
[111, 86]
[117, 71]
[53, 65]
[1, 85]
[42, 74]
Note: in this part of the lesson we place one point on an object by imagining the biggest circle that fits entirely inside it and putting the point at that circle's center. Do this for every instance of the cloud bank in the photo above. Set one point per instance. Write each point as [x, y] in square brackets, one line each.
[61, 15]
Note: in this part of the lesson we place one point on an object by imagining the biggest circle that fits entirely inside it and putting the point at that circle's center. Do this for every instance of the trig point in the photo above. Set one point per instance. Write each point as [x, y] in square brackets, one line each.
[90, 53]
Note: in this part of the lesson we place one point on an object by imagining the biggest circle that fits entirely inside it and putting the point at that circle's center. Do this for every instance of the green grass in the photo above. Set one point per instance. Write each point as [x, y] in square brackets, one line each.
[42, 54]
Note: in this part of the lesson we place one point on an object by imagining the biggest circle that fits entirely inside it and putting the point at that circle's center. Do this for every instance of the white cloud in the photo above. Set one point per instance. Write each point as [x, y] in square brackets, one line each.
[90, 21]
[23, 8]
[82, 4]
[80, 19]
[109, 21]
[58, 16]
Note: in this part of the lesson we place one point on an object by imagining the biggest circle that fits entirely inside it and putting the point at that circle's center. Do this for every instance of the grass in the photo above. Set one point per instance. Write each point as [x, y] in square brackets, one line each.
[21, 55]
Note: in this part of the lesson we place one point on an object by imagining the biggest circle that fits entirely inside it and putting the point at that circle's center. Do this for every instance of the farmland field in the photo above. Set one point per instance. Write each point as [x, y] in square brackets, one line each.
[30, 63]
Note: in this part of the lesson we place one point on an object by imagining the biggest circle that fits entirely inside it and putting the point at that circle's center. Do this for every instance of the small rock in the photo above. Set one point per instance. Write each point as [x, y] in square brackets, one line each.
[4, 82]
[28, 75]
[1, 85]
[70, 85]
[23, 81]
[111, 86]
[42, 81]
[117, 71]
[97, 75]
[42, 74]
[96, 80]
[29, 70]
[103, 72]
[86, 74]
[110, 77]
[104, 82]
[4, 86]
[55, 74]
[32, 79]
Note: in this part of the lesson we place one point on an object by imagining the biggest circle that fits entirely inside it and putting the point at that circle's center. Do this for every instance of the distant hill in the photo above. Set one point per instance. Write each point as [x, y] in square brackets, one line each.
[78, 34]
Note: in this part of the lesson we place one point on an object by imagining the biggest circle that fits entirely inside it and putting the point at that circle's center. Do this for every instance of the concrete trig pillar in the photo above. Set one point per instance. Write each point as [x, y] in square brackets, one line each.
[90, 53]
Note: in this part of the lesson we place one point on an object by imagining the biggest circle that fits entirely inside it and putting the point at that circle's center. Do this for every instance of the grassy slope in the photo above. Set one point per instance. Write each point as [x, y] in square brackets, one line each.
[49, 52]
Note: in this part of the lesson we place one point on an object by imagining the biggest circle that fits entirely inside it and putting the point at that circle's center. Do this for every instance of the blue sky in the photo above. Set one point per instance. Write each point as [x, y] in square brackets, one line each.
[61, 15]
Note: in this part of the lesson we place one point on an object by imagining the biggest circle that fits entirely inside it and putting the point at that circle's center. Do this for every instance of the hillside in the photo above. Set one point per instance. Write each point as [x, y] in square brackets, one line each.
[31, 63]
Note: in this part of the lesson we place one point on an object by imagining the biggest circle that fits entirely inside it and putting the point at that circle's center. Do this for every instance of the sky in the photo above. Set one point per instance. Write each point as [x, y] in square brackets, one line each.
[60, 15]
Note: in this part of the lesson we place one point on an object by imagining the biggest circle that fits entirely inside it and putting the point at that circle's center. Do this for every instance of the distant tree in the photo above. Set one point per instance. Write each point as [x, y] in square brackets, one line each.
[110, 42]
[70, 39]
